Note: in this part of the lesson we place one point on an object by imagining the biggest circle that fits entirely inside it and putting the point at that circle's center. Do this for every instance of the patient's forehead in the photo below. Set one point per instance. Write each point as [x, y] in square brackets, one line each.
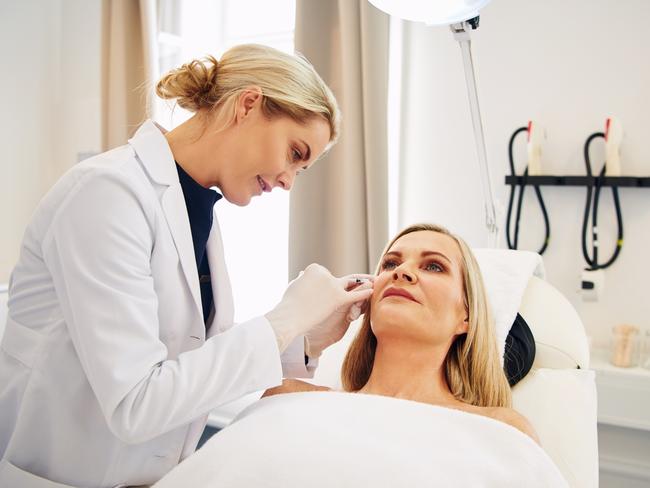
[417, 242]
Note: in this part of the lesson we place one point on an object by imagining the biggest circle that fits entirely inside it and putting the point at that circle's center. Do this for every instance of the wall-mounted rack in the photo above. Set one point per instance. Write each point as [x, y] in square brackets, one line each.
[603, 181]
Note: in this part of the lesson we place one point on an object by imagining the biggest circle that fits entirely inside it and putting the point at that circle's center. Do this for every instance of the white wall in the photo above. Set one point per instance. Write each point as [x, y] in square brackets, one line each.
[568, 65]
[50, 54]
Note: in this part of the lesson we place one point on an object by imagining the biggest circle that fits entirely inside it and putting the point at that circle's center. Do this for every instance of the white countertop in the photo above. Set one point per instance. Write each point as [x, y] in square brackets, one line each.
[600, 363]
[623, 393]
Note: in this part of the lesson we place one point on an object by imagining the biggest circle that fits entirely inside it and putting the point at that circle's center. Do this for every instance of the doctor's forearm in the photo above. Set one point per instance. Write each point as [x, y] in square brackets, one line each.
[180, 391]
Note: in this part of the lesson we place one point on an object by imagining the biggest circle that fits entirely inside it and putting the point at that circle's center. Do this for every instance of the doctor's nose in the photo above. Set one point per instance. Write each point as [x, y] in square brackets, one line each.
[285, 180]
[402, 273]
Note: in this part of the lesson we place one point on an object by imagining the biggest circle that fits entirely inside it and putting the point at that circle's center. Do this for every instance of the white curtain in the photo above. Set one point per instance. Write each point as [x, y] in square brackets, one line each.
[339, 208]
[129, 67]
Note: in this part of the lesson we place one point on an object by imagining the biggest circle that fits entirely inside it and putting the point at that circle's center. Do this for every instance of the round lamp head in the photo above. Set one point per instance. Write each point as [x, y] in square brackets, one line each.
[432, 12]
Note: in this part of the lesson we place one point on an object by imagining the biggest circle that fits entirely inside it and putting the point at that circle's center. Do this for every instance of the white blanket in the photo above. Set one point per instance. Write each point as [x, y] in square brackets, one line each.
[332, 439]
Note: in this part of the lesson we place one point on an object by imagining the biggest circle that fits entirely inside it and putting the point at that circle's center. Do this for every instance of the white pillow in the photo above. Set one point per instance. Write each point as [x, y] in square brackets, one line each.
[561, 406]
[506, 274]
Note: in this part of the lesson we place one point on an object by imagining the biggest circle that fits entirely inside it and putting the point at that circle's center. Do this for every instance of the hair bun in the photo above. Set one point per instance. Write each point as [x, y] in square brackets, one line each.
[193, 85]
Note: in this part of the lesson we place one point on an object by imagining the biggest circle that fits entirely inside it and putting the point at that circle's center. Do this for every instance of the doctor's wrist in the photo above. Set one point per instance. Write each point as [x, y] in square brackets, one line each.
[311, 351]
[283, 329]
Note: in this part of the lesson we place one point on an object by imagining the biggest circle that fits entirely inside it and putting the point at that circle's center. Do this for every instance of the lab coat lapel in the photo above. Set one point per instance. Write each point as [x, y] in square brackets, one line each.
[221, 288]
[156, 157]
[173, 204]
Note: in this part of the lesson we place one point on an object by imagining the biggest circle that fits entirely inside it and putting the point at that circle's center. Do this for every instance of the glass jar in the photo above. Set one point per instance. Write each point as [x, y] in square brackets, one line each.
[624, 346]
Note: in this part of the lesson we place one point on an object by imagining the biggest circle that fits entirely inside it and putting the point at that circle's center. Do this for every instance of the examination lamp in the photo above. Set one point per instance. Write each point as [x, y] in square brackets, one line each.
[462, 17]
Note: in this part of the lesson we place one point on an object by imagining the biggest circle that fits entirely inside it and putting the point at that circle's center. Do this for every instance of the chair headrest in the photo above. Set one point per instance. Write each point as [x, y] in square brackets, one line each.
[560, 337]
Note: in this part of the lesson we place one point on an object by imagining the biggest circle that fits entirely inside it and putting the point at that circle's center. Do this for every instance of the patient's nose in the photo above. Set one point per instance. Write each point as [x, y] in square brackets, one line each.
[403, 274]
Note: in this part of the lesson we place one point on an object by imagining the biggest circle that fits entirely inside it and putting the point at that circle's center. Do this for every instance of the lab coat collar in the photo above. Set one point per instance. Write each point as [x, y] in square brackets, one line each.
[152, 148]
[156, 157]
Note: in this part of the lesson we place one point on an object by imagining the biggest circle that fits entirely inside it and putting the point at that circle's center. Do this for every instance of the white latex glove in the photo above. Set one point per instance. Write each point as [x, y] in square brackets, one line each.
[309, 300]
[334, 327]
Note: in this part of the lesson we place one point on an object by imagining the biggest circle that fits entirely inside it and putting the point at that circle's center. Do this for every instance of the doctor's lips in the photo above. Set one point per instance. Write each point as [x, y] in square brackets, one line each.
[263, 184]
[400, 292]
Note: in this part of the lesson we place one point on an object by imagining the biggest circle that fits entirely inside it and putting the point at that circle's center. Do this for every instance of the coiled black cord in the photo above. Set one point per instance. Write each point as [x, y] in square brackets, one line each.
[512, 243]
[594, 189]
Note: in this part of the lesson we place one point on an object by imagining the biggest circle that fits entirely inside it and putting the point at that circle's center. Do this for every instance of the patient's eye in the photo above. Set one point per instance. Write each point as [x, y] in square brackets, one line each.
[297, 155]
[433, 266]
[388, 264]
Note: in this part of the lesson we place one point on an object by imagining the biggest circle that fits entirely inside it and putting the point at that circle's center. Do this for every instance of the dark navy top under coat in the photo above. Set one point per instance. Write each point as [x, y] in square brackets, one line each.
[200, 202]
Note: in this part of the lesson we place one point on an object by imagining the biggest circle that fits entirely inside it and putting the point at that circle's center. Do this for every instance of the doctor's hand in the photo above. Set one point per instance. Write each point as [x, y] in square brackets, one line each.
[311, 299]
[334, 327]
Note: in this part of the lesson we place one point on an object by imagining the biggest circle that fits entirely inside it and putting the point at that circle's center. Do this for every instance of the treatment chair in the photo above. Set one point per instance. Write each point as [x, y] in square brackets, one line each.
[558, 395]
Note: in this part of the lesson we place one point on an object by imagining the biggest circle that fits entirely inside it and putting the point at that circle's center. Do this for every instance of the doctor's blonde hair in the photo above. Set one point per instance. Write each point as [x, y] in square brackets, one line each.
[289, 83]
[472, 366]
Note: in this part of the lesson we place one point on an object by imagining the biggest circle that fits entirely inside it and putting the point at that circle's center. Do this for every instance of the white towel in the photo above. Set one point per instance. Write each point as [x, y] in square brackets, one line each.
[506, 274]
[345, 440]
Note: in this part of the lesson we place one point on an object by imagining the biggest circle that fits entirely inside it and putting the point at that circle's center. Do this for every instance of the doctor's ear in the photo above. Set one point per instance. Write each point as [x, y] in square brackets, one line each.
[249, 99]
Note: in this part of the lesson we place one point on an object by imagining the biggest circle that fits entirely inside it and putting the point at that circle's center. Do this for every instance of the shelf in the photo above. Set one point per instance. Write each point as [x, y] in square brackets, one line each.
[600, 364]
[604, 181]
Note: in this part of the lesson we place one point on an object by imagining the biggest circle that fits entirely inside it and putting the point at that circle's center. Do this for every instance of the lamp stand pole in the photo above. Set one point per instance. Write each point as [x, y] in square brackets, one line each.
[461, 33]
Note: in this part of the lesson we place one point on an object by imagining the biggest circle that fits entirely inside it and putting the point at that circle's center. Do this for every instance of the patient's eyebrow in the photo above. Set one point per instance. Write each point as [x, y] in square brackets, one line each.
[423, 254]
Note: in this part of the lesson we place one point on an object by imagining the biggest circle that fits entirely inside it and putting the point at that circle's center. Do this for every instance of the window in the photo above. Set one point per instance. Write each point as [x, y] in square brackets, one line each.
[255, 237]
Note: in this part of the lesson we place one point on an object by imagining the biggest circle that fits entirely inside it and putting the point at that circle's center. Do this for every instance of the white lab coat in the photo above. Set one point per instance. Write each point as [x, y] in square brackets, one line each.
[106, 374]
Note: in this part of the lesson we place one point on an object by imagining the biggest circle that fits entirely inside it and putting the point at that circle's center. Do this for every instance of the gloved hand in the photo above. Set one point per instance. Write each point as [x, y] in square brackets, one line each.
[309, 300]
[334, 327]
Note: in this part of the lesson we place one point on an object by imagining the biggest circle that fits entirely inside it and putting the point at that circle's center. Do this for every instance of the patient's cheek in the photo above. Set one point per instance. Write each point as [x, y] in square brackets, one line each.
[378, 287]
[381, 280]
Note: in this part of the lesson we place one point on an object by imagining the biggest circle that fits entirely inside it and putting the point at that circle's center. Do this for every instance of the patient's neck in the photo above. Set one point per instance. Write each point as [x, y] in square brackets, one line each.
[412, 372]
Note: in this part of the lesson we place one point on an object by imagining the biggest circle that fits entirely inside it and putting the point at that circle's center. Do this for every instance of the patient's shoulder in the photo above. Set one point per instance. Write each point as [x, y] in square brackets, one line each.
[515, 419]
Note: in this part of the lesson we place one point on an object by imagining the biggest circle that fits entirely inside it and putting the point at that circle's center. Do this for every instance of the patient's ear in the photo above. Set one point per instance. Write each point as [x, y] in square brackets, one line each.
[463, 327]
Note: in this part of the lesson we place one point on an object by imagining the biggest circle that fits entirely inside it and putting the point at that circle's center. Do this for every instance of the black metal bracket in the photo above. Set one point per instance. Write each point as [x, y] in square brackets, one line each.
[603, 181]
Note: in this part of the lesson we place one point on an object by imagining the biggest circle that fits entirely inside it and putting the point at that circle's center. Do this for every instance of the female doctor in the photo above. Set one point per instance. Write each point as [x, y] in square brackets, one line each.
[120, 336]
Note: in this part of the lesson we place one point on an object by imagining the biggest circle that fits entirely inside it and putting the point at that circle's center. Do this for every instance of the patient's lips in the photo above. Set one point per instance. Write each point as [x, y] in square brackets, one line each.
[399, 292]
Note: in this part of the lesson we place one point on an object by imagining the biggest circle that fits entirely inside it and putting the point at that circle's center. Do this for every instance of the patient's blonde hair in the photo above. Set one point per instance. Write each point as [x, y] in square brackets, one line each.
[289, 83]
[472, 366]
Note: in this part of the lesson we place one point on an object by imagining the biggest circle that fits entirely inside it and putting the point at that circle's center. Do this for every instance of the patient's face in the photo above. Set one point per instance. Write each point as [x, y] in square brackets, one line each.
[426, 266]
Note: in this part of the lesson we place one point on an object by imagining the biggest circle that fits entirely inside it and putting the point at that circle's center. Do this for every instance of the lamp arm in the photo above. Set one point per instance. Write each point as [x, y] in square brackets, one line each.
[461, 32]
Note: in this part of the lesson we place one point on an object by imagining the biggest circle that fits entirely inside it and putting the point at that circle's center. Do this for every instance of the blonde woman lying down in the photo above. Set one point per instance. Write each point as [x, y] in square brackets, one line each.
[427, 335]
